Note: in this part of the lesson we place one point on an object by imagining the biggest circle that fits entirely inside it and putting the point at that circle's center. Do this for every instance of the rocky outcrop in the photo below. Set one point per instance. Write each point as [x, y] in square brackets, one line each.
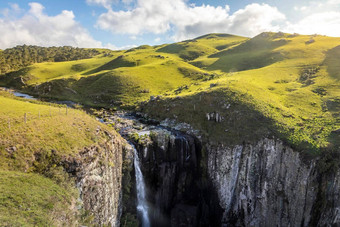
[268, 184]
[264, 183]
[179, 194]
[98, 170]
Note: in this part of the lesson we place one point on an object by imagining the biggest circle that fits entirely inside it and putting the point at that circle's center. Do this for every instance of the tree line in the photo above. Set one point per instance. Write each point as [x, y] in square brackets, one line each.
[15, 58]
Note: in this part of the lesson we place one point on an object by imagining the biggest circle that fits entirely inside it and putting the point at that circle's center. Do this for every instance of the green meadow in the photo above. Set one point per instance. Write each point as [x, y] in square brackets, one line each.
[291, 79]
[286, 85]
[34, 138]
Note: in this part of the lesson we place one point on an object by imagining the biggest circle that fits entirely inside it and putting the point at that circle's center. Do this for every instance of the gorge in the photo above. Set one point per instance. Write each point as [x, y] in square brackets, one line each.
[195, 184]
[182, 180]
[219, 130]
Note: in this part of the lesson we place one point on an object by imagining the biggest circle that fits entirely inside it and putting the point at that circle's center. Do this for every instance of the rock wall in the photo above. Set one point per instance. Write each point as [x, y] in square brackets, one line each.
[267, 184]
[179, 194]
[98, 170]
[256, 184]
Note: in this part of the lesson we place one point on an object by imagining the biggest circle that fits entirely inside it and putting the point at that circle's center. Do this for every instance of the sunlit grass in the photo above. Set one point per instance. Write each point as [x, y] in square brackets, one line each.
[268, 69]
[46, 128]
[33, 200]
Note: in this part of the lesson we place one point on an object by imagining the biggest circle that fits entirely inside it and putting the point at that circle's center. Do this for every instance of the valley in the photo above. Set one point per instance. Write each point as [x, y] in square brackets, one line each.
[229, 131]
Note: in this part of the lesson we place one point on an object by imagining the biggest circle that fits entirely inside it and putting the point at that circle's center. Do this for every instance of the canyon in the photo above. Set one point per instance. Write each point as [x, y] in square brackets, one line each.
[190, 183]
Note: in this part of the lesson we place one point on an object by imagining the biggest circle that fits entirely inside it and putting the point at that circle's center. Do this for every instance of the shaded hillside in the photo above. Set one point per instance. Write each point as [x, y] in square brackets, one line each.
[332, 61]
[290, 79]
[201, 46]
[254, 53]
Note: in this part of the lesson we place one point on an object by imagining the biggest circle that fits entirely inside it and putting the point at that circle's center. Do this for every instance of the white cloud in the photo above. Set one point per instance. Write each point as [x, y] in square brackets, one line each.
[333, 2]
[187, 21]
[317, 7]
[254, 19]
[317, 18]
[106, 3]
[325, 23]
[34, 27]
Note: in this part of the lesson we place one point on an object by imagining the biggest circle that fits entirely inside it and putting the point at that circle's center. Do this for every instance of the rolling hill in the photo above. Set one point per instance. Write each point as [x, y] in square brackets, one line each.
[234, 90]
[292, 80]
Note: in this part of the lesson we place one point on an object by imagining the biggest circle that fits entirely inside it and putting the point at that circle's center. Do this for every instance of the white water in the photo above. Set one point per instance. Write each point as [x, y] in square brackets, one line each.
[142, 207]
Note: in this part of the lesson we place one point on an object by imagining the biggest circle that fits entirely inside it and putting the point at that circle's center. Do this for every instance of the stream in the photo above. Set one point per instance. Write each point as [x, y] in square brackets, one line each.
[18, 94]
[170, 186]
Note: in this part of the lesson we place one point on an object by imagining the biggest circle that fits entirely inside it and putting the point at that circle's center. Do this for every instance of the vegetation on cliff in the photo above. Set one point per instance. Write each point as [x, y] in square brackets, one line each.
[37, 141]
[233, 89]
[286, 78]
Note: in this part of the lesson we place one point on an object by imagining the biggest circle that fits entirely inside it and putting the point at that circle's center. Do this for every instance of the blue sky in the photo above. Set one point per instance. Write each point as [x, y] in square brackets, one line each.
[119, 24]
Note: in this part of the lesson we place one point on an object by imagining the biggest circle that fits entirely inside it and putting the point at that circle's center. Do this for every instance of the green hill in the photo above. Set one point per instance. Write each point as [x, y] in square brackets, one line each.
[292, 80]
[122, 77]
[35, 140]
[17, 57]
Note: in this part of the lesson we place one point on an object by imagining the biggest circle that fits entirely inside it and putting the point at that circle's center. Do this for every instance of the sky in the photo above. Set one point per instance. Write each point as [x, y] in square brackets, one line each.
[122, 24]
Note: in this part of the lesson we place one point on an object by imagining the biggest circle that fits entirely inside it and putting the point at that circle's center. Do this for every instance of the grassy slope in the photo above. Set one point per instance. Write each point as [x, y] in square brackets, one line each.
[295, 90]
[126, 77]
[275, 83]
[47, 71]
[285, 77]
[33, 199]
[304, 108]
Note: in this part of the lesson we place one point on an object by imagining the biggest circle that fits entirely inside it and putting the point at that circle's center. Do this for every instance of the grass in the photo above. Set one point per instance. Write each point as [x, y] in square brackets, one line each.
[42, 72]
[238, 118]
[35, 188]
[274, 84]
[202, 46]
[47, 128]
[286, 78]
[301, 111]
[34, 200]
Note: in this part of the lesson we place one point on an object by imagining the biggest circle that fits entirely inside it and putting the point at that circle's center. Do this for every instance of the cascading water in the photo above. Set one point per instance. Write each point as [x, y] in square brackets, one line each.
[142, 207]
[177, 191]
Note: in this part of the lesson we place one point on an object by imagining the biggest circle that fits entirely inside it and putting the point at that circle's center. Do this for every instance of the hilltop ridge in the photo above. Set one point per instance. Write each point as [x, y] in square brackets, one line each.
[289, 78]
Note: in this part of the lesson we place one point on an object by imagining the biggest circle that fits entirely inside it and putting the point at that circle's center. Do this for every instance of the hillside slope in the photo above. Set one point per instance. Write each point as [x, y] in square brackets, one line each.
[122, 77]
[45, 151]
[15, 58]
[290, 79]
[293, 87]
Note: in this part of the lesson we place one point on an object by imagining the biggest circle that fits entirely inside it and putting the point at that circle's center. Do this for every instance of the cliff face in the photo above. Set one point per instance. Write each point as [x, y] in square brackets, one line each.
[98, 170]
[179, 194]
[267, 184]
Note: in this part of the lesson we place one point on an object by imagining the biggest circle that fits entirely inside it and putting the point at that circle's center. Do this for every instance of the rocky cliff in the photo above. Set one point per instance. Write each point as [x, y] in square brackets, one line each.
[98, 172]
[268, 184]
[192, 182]
[179, 194]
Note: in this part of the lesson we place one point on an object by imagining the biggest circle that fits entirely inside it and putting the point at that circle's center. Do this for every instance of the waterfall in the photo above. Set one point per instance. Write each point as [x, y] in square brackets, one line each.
[142, 207]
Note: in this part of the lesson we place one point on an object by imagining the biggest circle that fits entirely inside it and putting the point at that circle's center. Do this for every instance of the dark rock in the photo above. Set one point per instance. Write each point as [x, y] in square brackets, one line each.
[336, 131]
[171, 170]
[310, 41]
[184, 215]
